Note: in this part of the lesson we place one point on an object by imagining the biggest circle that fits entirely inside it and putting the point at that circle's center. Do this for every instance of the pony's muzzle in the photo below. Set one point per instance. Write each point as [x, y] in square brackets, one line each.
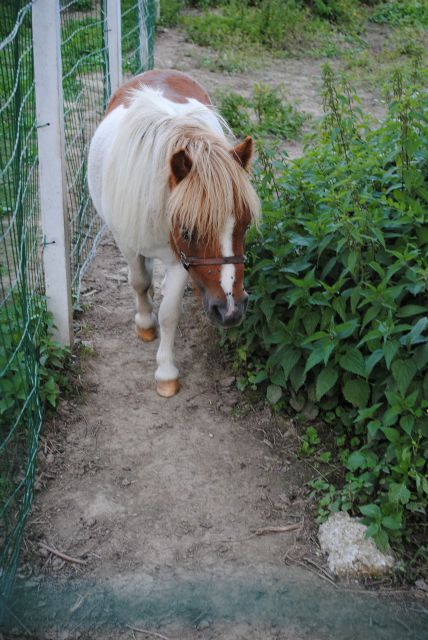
[226, 314]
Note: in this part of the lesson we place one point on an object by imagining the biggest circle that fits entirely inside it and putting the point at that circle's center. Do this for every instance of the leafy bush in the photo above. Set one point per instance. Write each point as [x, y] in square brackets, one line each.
[277, 25]
[266, 113]
[169, 12]
[402, 13]
[49, 355]
[340, 11]
[338, 277]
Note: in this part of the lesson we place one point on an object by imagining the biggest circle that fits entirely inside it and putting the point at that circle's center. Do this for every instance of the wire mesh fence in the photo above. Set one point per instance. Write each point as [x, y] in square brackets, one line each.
[22, 306]
[138, 30]
[24, 320]
[86, 90]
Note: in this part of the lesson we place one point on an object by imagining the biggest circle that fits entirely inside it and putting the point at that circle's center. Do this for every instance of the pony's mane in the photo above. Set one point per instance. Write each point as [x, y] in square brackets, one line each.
[138, 170]
[215, 188]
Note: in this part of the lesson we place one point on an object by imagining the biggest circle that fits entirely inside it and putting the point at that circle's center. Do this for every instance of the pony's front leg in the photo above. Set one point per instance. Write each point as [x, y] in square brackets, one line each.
[140, 278]
[169, 315]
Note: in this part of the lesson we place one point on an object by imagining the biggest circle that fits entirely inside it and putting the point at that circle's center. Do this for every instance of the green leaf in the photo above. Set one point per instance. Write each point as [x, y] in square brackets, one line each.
[403, 372]
[407, 424]
[315, 358]
[370, 315]
[356, 461]
[340, 307]
[393, 435]
[372, 428]
[297, 377]
[411, 310]
[399, 493]
[353, 361]
[372, 511]
[277, 378]
[273, 393]
[258, 377]
[290, 359]
[392, 522]
[346, 329]
[421, 356]
[390, 416]
[325, 457]
[276, 337]
[356, 392]
[381, 539]
[368, 412]
[355, 297]
[268, 307]
[372, 360]
[325, 381]
[415, 334]
[316, 336]
[352, 261]
[372, 530]
[310, 321]
[389, 349]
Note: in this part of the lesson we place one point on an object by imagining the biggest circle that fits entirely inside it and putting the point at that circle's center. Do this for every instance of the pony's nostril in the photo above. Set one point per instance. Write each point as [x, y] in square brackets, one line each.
[227, 315]
[216, 313]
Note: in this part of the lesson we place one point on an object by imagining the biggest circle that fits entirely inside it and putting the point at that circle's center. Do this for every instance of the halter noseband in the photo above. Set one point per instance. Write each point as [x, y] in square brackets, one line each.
[193, 261]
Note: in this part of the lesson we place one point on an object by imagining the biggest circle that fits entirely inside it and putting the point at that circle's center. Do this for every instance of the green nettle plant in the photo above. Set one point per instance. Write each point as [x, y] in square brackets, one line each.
[338, 319]
[266, 113]
[17, 379]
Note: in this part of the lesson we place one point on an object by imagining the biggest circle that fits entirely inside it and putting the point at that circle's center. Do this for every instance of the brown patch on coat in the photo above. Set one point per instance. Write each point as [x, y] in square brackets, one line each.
[207, 278]
[175, 85]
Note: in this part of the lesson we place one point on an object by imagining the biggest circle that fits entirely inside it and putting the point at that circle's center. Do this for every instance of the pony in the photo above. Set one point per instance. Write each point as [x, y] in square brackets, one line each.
[165, 178]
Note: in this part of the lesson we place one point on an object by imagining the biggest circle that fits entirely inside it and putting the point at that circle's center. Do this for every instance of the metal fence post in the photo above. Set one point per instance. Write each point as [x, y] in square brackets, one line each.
[114, 43]
[143, 36]
[50, 136]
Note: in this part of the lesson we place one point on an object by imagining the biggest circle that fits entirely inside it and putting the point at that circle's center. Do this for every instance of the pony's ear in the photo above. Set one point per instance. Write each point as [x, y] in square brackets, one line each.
[243, 152]
[180, 166]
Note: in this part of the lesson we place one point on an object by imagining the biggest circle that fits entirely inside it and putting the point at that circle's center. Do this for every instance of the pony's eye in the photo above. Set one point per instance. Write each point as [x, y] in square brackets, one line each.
[186, 235]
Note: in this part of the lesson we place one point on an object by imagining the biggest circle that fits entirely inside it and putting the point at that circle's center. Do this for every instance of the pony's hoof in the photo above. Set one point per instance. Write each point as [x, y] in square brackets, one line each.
[167, 388]
[146, 335]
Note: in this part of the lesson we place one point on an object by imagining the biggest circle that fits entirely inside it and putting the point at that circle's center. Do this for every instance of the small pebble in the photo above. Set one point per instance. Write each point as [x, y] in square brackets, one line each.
[204, 624]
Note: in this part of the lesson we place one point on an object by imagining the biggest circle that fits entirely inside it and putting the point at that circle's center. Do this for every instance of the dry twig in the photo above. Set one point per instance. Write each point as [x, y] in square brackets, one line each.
[323, 576]
[319, 567]
[61, 554]
[289, 527]
[148, 633]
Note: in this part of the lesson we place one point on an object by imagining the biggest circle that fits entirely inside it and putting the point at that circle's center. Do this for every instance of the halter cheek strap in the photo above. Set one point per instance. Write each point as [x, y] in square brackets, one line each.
[193, 261]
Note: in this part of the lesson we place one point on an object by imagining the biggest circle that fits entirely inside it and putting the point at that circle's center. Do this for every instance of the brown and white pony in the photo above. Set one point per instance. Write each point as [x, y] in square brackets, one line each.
[165, 179]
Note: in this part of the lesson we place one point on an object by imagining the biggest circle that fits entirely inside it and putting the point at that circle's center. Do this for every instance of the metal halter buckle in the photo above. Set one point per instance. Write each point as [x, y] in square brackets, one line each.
[183, 259]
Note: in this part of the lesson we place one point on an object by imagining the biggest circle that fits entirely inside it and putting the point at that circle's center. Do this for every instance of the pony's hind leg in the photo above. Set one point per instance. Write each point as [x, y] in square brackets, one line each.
[140, 278]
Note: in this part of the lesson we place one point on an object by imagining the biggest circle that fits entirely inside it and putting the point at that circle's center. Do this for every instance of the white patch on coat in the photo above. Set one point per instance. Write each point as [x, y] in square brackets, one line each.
[129, 168]
[228, 270]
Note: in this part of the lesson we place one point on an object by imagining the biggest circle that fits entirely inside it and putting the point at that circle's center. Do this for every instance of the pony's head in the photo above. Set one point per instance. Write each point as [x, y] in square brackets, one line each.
[211, 204]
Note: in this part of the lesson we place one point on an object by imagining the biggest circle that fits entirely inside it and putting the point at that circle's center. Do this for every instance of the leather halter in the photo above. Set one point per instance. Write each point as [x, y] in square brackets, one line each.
[194, 261]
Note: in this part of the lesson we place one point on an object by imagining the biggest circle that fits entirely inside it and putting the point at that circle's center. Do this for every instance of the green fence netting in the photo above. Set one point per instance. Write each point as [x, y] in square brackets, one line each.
[22, 306]
[86, 90]
[23, 314]
[138, 31]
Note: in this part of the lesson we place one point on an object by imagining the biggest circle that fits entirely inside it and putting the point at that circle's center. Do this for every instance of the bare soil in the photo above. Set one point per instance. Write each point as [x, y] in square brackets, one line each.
[161, 501]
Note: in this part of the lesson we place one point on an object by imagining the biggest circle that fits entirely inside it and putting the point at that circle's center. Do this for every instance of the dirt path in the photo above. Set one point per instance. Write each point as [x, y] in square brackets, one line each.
[161, 498]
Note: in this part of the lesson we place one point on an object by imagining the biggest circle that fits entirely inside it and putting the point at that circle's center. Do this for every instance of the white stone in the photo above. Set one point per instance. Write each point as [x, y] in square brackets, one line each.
[350, 553]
